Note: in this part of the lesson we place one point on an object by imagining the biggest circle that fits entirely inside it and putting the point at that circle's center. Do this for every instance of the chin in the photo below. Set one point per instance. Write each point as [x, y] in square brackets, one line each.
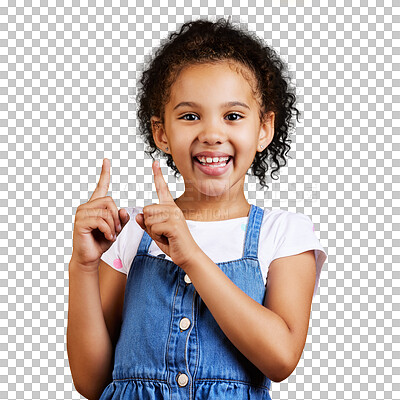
[213, 189]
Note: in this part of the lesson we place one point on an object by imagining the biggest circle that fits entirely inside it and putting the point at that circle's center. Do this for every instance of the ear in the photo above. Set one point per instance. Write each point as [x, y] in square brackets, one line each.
[159, 136]
[267, 130]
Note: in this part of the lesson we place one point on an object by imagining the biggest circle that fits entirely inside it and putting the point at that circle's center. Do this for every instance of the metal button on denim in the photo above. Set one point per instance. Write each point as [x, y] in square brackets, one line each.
[184, 324]
[187, 279]
[182, 380]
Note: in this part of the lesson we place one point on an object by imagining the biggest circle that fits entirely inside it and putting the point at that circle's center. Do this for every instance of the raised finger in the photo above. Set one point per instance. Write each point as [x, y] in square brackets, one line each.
[163, 192]
[104, 181]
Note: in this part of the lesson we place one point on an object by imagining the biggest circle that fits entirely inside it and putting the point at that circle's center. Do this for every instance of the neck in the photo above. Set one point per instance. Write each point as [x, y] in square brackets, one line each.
[212, 210]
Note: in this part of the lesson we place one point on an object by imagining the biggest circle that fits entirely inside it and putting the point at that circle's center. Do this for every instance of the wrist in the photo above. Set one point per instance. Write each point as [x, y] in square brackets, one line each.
[90, 268]
[195, 257]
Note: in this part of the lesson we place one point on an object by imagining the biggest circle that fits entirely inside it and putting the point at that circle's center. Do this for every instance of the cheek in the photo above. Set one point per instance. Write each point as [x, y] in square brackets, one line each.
[182, 159]
[246, 149]
[245, 157]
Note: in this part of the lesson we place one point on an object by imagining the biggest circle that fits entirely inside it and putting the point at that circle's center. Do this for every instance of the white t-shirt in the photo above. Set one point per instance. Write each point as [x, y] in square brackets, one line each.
[282, 233]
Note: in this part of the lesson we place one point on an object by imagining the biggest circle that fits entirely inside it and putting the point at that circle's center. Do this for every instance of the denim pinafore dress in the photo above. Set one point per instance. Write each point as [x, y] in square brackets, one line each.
[170, 346]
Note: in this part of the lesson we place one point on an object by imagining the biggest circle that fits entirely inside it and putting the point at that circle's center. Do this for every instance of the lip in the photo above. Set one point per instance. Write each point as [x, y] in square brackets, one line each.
[212, 154]
[213, 171]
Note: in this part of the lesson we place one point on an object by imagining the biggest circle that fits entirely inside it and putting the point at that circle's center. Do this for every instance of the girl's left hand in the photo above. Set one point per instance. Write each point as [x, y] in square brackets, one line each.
[166, 224]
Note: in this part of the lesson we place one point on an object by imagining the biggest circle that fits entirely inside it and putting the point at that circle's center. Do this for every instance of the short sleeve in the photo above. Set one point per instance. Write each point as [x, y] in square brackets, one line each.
[296, 235]
[115, 255]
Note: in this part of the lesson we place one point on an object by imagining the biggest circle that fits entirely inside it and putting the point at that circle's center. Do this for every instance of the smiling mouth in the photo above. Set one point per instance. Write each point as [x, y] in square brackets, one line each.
[213, 165]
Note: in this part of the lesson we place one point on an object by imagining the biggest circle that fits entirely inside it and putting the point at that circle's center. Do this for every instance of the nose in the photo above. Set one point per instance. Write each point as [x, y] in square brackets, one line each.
[212, 132]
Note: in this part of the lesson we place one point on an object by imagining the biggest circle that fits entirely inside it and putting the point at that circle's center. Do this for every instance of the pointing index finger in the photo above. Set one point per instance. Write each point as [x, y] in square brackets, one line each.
[104, 181]
[163, 192]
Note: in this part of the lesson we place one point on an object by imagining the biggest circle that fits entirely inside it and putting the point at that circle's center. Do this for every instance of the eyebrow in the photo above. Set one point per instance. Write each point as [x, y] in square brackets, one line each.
[228, 104]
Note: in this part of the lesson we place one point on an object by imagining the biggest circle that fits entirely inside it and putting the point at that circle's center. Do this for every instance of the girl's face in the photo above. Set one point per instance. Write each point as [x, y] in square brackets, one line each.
[212, 109]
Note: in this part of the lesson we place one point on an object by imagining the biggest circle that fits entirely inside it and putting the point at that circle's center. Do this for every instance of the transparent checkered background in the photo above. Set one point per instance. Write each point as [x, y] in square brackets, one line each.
[68, 73]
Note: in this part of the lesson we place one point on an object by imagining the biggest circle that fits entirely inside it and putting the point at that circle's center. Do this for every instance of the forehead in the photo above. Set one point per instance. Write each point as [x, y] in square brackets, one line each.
[220, 78]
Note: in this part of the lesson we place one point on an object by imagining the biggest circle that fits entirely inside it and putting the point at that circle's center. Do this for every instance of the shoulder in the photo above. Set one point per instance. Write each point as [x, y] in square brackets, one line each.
[275, 214]
[285, 233]
[280, 221]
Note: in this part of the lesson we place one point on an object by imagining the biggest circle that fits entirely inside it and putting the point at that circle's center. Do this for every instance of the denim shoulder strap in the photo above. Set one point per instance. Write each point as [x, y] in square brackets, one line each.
[144, 244]
[253, 232]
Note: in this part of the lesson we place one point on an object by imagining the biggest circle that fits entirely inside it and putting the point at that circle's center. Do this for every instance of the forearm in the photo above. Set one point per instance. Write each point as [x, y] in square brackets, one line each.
[261, 335]
[89, 345]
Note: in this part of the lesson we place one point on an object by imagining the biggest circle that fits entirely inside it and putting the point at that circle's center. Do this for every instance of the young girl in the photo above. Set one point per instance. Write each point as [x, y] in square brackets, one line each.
[172, 300]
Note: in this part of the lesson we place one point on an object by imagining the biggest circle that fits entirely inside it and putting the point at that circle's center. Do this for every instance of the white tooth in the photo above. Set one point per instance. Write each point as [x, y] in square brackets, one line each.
[209, 160]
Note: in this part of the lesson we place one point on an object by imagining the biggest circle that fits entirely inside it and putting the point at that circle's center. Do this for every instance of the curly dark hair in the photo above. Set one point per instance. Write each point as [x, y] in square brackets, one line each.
[203, 41]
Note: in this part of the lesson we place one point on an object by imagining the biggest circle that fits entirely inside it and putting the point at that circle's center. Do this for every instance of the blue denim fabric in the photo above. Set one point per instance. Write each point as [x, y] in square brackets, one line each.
[170, 346]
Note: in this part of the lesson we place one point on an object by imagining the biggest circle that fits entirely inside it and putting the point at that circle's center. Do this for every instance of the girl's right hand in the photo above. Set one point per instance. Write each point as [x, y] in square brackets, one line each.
[96, 222]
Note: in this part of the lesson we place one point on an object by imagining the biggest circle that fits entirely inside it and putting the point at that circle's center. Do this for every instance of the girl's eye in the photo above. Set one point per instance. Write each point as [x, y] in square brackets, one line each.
[236, 119]
[186, 115]
[236, 114]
